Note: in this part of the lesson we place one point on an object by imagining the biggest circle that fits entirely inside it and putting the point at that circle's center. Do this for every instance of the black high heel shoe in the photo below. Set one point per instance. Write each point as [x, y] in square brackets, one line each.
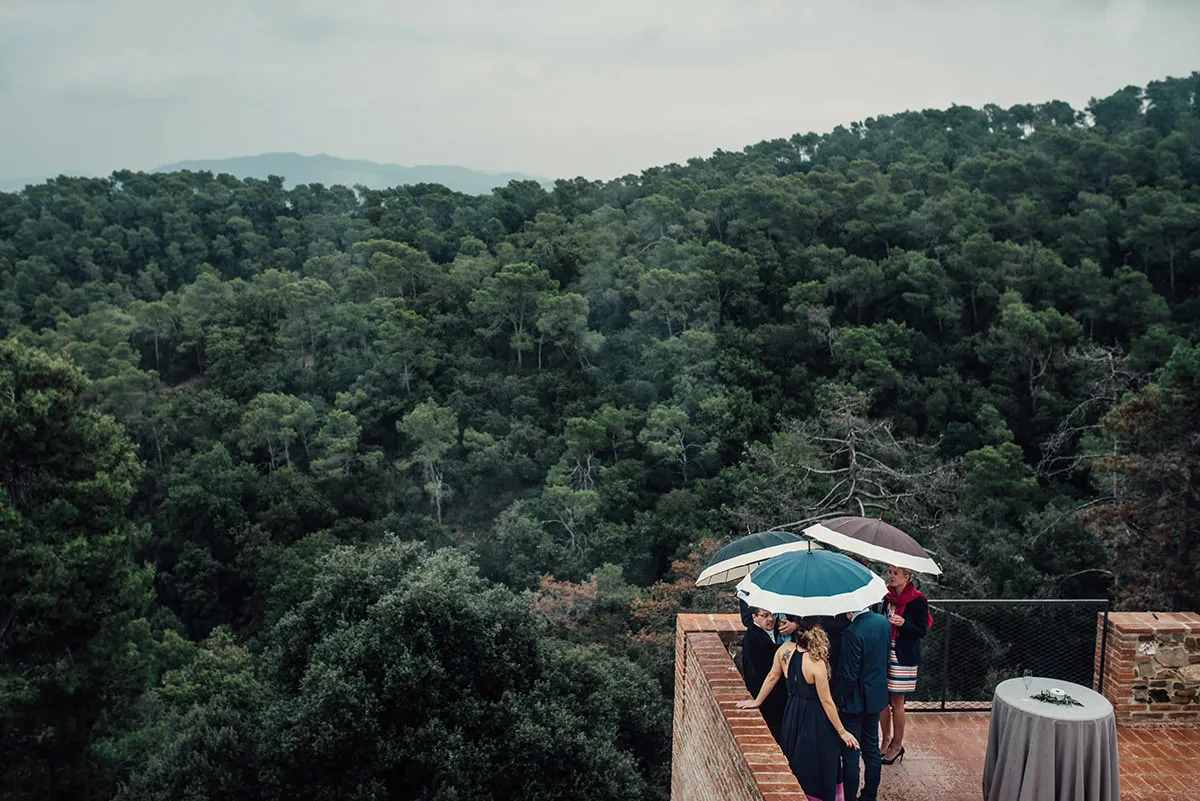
[897, 758]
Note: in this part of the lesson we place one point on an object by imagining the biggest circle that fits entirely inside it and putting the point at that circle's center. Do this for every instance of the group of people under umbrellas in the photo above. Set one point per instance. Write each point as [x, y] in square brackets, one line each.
[827, 671]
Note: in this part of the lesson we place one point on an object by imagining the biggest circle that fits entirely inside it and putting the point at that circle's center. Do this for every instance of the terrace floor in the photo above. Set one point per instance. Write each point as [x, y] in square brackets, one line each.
[944, 760]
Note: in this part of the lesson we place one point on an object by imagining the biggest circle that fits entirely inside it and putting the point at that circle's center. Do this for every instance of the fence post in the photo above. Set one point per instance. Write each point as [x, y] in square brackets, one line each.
[1103, 647]
[946, 663]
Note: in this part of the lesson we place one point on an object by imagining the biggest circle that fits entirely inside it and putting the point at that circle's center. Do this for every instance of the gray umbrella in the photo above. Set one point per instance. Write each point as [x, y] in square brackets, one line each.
[876, 540]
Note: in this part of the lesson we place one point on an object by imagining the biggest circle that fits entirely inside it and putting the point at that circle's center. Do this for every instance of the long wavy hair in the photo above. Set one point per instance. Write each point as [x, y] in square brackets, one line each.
[813, 638]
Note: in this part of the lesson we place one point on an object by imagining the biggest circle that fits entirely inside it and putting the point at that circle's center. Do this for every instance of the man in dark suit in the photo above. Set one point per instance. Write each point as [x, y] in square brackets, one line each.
[758, 655]
[860, 693]
[834, 626]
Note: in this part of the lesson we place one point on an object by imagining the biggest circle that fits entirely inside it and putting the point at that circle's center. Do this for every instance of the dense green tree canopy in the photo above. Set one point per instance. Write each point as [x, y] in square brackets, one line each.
[71, 642]
[402, 674]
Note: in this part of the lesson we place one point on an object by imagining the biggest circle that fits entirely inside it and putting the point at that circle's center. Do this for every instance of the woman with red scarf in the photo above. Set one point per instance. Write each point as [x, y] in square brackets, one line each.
[907, 609]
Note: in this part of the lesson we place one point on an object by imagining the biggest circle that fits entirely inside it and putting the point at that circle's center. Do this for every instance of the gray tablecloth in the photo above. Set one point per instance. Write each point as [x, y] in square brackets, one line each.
[1045, 752]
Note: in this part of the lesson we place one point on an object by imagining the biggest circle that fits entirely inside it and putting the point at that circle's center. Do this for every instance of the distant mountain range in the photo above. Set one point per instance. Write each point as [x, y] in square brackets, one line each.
[330, 171]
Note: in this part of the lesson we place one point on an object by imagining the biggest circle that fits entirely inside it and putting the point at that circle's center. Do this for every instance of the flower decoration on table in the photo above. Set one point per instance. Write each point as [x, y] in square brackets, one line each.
[1055, 697]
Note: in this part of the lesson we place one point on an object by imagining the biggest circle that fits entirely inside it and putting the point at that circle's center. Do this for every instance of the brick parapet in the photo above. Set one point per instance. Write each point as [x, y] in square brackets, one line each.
[1151, 667]
[720, 752]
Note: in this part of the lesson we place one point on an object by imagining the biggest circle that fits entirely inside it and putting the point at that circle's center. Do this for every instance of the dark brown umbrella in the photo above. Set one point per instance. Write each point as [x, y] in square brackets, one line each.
[874, 539]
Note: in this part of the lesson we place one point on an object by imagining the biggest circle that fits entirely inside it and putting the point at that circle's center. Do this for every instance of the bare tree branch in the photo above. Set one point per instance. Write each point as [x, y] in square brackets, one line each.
[843, 462]
[1106, 376]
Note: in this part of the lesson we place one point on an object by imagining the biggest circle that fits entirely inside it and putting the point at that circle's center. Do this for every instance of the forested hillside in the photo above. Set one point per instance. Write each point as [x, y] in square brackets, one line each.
[405, 486]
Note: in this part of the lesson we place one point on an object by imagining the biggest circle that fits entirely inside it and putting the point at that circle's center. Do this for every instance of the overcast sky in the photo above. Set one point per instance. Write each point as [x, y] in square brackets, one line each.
[557, 88]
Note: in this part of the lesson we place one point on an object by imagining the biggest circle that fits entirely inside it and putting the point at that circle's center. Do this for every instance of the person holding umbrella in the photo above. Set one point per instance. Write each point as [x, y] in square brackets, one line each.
[907, 610]
[759, 645]
[861, 693]
[813, 734]
[817, 583]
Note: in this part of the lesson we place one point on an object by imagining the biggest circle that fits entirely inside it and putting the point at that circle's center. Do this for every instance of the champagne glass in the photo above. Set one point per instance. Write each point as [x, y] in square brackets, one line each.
[1027, 677]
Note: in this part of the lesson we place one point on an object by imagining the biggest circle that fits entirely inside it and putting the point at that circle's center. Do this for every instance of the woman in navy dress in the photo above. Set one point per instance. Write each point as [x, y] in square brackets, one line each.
[812, 735]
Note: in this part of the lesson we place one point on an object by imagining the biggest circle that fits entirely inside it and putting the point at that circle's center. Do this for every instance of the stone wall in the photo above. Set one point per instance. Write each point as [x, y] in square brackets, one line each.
[1152, 667]
[719, 752]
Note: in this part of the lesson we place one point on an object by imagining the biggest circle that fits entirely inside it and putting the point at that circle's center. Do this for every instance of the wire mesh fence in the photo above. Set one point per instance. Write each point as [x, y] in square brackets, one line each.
[976, 644]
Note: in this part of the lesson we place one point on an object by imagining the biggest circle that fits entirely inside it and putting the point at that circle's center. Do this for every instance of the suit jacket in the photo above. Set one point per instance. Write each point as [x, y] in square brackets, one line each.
[861, 684]
[834, 626]
[758, 655]
[908, 639]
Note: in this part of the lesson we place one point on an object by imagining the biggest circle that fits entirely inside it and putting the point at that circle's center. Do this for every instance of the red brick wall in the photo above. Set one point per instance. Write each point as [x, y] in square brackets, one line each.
[719, 752]
[1152, 667]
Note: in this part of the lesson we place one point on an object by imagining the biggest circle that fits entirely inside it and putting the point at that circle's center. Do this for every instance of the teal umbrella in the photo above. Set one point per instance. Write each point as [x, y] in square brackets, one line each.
[744, 554]
[809, 583]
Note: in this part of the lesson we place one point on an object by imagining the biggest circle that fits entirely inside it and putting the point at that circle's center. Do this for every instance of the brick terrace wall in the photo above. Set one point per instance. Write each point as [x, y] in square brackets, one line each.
[1152, 667]
[719, 752]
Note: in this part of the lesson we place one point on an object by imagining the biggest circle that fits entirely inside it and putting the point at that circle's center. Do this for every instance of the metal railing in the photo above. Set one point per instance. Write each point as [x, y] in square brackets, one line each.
[975, 644]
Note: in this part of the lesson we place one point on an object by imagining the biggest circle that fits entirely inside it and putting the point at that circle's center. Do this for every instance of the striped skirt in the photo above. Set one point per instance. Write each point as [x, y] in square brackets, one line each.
[902, 679]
